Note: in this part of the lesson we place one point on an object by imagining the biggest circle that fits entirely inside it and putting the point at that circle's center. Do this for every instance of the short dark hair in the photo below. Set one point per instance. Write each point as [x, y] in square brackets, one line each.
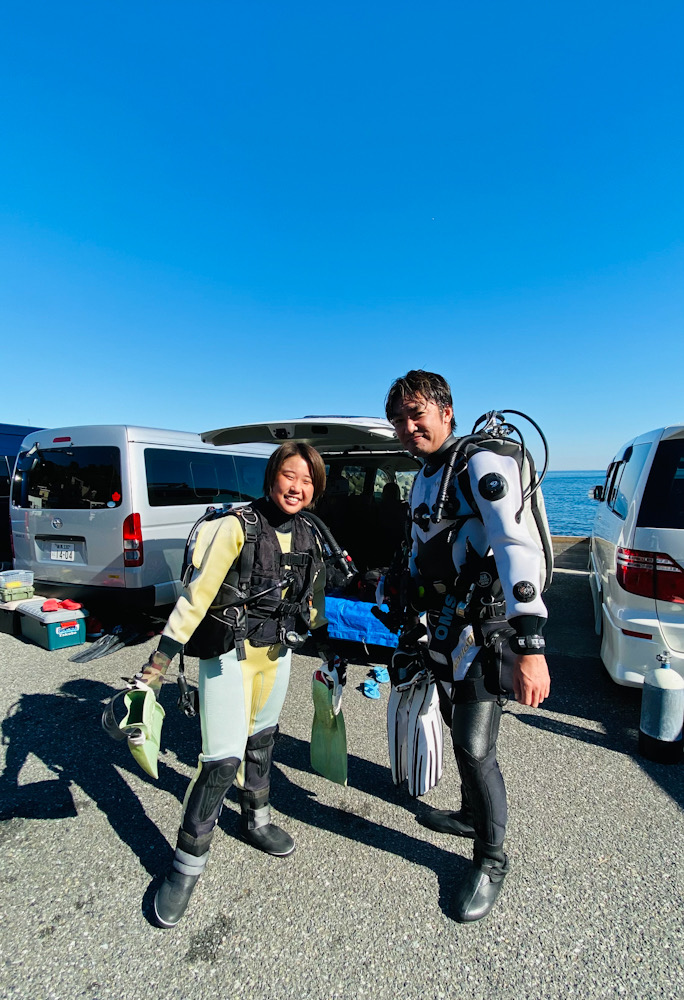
[310, 456]
[417, 382]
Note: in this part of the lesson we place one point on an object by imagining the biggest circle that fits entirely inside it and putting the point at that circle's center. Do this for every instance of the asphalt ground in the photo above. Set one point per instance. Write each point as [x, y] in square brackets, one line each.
[592, 906]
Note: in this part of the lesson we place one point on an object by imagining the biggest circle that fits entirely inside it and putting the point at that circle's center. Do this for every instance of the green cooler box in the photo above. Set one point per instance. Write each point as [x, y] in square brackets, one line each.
[52, 629]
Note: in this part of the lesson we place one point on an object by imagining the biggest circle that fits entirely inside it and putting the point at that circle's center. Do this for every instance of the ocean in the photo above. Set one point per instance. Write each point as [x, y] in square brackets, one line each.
[569, 507]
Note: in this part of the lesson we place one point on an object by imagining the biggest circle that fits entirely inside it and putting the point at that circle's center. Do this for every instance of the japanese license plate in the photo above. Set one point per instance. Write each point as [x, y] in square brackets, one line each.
[63, 551]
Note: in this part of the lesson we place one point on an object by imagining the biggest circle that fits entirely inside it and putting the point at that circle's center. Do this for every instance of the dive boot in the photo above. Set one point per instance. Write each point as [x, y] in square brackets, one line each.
[482, 885]
[174, 894]
[256, 827]
[458, 823]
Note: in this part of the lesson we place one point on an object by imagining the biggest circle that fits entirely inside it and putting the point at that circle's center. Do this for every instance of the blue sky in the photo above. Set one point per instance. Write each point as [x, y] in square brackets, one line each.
[221, 212]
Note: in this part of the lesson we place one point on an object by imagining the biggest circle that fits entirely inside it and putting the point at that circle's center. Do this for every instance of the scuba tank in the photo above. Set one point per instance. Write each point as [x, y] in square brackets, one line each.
[662, 714]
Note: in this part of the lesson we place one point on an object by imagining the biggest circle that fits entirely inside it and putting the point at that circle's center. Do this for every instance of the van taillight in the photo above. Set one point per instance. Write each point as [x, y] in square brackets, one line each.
[650, 574]
[132, 541]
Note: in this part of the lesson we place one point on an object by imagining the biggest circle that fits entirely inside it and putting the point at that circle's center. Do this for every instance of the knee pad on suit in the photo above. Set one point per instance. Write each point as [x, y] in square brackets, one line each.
[205, 796]
[258, 757]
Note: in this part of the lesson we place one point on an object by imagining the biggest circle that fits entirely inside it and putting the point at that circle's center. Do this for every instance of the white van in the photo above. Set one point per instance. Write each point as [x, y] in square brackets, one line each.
[636, 568]
[104, 512]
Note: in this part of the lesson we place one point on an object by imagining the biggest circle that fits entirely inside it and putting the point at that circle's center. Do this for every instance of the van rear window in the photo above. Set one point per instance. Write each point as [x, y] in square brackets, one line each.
[68, 479]
[663, 503]
[178, 478]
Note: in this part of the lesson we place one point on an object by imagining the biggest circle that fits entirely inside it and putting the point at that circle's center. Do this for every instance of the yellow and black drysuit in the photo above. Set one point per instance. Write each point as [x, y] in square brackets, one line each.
[238, 619]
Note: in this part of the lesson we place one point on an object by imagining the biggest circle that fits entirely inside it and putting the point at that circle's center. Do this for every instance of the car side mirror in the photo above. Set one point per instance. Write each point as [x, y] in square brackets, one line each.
[598, 493]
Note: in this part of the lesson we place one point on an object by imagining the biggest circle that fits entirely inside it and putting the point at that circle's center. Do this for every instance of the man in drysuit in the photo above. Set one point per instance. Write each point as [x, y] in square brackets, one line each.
[478, 575]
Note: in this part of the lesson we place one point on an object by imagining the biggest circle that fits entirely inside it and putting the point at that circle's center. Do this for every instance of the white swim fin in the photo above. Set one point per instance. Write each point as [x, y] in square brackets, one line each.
[425, 738]
[398, 705]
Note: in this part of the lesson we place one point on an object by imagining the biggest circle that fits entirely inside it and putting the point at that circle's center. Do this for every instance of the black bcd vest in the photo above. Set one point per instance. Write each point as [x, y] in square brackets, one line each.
[267, 594]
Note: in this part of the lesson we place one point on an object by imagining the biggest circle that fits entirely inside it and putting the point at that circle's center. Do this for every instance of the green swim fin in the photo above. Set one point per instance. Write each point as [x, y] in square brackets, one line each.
[328, 732]
[142, 725]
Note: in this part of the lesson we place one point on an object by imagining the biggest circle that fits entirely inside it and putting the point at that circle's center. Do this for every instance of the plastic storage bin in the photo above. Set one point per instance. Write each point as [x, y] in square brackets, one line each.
[16, 578]
[16, 585]
[52, 629]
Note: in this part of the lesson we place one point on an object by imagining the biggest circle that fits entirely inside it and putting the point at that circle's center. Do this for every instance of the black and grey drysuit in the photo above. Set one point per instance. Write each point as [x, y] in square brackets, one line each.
[479, 575]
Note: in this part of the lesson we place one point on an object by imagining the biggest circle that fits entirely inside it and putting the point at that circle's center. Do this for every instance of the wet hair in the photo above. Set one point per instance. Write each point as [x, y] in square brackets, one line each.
[417, 382]
[288, 450]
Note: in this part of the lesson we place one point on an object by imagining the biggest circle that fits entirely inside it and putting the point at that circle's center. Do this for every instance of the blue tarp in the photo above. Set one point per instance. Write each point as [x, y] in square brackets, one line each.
[353, 620]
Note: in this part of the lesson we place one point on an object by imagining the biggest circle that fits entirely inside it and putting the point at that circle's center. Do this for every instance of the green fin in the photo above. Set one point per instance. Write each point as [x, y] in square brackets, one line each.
[328, 736]
[143, 723]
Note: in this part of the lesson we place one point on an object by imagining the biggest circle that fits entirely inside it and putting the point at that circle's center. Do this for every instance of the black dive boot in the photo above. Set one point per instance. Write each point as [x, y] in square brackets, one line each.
[256, 827]
[445, 821]
[483, 883]
[255, 824]
[459, 823]
[174, 894]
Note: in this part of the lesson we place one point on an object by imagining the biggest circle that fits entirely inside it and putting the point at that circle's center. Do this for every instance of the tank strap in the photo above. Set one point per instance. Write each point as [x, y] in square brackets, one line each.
[252, 529]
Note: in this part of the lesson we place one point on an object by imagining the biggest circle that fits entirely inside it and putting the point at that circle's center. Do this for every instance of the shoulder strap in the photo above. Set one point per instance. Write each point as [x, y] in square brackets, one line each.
[251, 525]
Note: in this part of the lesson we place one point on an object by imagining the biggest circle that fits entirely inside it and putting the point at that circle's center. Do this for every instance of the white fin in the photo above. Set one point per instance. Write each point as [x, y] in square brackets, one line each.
[397, 732]
[425, 739]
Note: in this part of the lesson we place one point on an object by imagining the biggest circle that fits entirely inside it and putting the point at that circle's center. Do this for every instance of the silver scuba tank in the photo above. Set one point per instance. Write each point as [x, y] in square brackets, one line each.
[662, 714]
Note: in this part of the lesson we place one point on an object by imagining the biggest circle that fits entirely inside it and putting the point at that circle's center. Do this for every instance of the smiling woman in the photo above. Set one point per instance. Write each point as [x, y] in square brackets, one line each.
[295, 474]
[256, 587]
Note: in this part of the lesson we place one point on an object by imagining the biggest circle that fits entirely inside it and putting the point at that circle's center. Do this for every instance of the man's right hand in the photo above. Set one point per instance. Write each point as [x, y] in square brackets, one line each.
[531, 680]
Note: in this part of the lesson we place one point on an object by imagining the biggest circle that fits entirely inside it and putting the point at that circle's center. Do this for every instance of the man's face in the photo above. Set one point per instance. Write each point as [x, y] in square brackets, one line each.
[420, 425]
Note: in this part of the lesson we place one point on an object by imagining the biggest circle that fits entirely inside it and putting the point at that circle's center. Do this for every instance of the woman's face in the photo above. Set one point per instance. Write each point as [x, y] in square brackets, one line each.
[293, 487]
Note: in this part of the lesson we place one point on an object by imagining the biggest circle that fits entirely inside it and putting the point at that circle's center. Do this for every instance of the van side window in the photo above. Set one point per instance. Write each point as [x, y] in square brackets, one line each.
[614, 473]
[606, 485]
[355, 475]
[175, 478]
[624, 487]
[250, 472]
[71, 478]
[663, 502]
[405, 481]
[381, 480]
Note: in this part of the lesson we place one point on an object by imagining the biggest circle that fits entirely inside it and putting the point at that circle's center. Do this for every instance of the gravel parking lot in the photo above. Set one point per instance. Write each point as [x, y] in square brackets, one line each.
[592, 906]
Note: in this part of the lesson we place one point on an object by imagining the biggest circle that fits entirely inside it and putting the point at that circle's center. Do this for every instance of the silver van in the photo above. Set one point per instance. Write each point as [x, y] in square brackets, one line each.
[104, 512]
[636, 568]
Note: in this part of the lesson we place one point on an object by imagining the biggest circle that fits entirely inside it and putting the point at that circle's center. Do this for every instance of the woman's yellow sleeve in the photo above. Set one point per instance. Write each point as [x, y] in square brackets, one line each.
[218, 545]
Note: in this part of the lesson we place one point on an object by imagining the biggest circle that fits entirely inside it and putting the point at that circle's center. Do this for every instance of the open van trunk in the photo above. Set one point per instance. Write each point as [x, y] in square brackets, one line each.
[365, 503]
[326, 434]
[369, 477]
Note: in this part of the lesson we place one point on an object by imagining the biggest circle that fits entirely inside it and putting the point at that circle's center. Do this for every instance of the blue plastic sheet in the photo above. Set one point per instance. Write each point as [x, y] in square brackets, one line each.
[353, 620]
